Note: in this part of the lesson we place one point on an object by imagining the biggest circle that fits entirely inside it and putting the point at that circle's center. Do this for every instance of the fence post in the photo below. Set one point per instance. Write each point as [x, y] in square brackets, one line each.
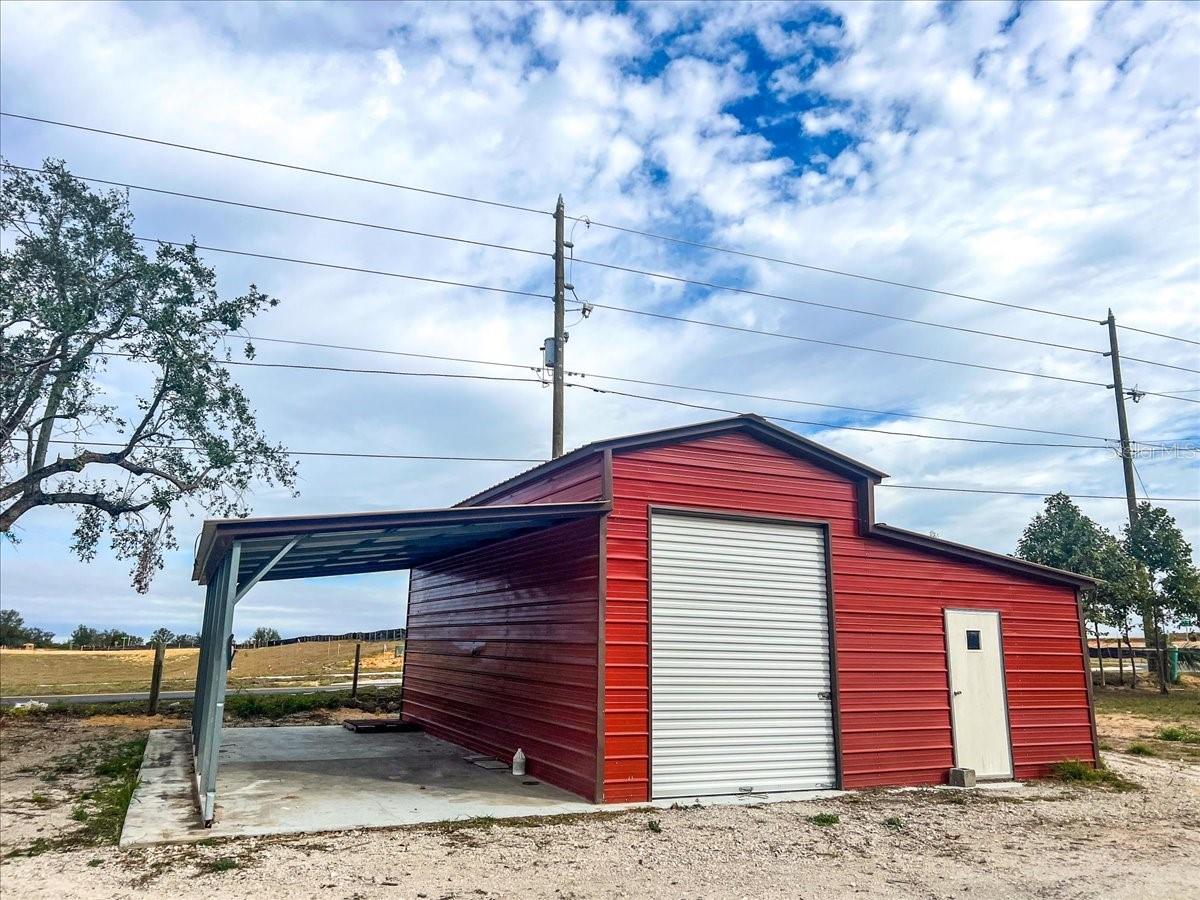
[160, 652]
[357, 660]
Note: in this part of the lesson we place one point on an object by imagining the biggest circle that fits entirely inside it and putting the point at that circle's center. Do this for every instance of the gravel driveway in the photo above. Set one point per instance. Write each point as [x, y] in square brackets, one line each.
[1039, 840]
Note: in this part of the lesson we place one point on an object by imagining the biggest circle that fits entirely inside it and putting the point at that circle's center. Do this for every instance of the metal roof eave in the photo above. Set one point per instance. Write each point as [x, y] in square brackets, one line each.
[218, 535]
[983, 557]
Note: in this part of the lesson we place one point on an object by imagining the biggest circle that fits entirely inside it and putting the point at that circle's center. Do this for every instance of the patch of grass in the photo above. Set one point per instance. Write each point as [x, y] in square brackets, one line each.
[41, 800]
[894, 822]
[1078, 772]
[655, 826]
[453, 825]
[100, 810]
[220, 864]
[1183, 702]
[1138, 749]
[1179, 733]
[95, 862]
[825, 820]
[105, 805]
[277, 706]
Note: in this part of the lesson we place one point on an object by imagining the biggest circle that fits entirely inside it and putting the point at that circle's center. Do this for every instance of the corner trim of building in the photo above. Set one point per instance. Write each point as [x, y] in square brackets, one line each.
[601, 637]
[1087, 677]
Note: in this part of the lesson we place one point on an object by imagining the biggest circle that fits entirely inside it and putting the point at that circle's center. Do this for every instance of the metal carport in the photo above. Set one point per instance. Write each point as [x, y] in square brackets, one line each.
[233, 555]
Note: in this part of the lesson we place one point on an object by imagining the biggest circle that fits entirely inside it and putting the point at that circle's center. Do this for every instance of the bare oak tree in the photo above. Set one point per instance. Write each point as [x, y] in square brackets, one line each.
[80, 297]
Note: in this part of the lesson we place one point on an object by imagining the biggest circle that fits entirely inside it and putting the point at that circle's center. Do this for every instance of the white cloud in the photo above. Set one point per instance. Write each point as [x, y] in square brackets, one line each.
[1053, 164]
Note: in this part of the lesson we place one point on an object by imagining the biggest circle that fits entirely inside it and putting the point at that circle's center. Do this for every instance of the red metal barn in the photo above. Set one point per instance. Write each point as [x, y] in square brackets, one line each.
[736, 621]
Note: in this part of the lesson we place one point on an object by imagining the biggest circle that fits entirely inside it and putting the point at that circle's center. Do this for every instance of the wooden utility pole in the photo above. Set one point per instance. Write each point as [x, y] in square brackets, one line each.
[1118, 389]
[560, 315]
[1150, 626]
[160, 652]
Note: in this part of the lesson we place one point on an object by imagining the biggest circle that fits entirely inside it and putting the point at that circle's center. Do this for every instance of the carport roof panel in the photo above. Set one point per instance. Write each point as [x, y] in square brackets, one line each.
[354, 543]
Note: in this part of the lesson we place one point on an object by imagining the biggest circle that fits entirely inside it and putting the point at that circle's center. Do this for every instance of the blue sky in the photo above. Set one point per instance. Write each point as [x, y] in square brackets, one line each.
[1044, 154]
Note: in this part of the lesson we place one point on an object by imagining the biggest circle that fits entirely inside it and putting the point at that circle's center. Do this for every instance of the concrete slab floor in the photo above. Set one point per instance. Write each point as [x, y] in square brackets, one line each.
[325, 778]
[307, 778]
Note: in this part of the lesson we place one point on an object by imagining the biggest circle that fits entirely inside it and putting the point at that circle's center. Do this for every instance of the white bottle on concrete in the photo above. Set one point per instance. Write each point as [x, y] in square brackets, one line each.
[518, 763]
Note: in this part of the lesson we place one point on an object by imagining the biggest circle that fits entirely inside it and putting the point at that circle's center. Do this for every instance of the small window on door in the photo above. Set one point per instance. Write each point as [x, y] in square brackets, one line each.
[972, 639]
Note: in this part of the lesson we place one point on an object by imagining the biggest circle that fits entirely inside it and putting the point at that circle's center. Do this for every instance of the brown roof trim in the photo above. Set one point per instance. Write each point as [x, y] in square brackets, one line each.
[755, 425]
[217, 534]
[974, 554]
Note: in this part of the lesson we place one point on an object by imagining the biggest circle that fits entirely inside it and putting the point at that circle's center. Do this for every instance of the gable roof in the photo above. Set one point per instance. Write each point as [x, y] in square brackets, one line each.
[804, 448]
[754, 425]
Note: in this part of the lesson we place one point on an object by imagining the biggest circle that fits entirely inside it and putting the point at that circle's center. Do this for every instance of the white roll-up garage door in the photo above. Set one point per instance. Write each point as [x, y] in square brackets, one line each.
[740, 657]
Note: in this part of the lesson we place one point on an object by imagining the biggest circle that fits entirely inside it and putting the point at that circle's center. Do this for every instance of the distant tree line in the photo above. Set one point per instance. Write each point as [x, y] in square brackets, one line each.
[15, 633]
[269, 637]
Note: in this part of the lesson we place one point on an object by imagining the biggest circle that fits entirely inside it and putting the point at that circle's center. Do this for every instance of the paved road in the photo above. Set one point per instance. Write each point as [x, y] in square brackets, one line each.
[166, 696]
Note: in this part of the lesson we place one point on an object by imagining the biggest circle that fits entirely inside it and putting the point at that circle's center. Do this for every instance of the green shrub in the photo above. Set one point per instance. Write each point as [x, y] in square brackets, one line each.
[1180, 733]
[824, 819]
[1080, 772]
[1137, 749]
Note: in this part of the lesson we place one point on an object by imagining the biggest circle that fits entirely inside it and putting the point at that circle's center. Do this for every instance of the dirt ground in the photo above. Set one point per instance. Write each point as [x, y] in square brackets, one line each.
[1045, 839]
[39, 672]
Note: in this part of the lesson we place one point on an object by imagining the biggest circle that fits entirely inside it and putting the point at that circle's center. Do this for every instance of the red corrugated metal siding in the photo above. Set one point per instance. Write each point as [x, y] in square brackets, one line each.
[502, 651]
[893, 689]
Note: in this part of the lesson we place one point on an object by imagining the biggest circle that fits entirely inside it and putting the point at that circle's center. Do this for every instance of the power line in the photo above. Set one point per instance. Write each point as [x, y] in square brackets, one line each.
[466, 376]
[500, 204]
[675, 278]
[344, 268]
[422, 456]
[866, 312]
[874, 279]
[826, 425]
[618, 378]
[1159, 334]
[281, 165]
[917, 356]
[330, 453]
[795, 337]
[910, 434]
[640, 312]
[481, 362]
[959, 490]
[293, 212]
[707, 390]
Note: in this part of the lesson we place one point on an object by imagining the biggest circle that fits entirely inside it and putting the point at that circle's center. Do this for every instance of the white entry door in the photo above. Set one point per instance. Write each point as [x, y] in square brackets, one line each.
[978, 703]
[740, 680]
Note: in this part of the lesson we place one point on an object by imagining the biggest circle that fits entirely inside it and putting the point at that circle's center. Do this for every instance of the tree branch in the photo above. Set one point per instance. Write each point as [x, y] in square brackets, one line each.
[75, 498]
